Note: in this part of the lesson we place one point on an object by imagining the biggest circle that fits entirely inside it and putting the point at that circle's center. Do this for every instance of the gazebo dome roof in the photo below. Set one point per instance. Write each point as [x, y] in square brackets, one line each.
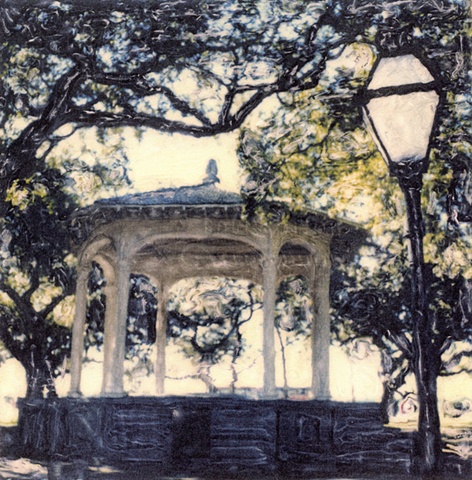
[203, 194]
[206, 193]
[201, 201]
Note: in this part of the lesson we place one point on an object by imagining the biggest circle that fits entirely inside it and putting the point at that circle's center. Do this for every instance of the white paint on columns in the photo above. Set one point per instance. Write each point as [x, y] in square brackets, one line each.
[109, 339]
[270, 274]
[116, 315]
[161, 340]
[78, 330]
[123, 286]
[321, 329]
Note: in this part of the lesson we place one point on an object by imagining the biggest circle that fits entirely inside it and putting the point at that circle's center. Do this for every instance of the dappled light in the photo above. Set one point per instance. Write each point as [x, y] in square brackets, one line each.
[236, 234]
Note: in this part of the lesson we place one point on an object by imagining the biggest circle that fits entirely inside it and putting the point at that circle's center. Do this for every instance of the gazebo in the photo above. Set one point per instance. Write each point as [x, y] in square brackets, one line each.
[173, 234]
[178, 233]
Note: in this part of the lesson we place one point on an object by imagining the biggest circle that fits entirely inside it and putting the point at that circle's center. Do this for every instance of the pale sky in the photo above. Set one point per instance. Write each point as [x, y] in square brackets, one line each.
[161, 160]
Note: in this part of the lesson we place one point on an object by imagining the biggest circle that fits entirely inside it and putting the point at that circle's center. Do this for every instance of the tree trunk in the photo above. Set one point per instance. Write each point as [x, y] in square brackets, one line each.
[39, 379]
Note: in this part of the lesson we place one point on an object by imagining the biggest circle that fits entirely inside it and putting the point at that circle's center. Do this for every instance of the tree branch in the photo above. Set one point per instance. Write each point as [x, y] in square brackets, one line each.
[139, 85]
[34, 284]
[22, 151]
[53, 304]
[455, 360]
[401, 342]
[25, 308]
[103, 119]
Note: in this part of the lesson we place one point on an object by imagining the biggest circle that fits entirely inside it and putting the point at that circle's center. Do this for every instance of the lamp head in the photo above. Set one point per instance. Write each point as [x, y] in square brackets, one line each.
[399, 108]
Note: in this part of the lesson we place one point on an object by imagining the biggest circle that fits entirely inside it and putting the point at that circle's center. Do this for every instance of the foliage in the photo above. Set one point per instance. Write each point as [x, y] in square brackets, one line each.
[142, 308]
[293, 306]
[207, 316]
[201, 68]
[36, 275]
[193, 67]
[37, 268]
[205, 319]
[293, 324]
[141, 323]
[312, 151]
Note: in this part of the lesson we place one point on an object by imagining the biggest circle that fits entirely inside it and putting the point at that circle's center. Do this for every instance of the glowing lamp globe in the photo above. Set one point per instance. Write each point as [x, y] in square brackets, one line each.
[401, 108]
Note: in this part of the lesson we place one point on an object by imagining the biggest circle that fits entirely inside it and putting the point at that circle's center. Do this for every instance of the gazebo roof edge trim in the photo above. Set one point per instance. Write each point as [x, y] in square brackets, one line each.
[84, 221]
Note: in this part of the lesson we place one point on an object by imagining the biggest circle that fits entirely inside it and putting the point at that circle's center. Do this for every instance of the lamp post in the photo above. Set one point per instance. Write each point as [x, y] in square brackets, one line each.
[399, 107]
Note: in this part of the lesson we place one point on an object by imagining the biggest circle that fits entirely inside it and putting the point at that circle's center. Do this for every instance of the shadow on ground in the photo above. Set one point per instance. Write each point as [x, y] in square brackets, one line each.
[21, 468]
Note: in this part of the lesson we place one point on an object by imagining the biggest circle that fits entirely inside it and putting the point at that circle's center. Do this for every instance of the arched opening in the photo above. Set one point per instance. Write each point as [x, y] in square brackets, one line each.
[214, 337]
[140, 341]
[293, 344]
[92, 362]
[140, 334]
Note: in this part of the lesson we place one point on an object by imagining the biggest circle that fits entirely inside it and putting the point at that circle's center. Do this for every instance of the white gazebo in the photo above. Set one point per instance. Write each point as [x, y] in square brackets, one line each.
[172, 234]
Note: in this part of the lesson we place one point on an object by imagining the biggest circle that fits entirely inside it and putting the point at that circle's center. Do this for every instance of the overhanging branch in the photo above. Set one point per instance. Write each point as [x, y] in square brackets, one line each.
[21, 152]
[139, 85]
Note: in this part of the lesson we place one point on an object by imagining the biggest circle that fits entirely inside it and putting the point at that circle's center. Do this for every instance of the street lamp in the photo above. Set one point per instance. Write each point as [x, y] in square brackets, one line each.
[399, 107]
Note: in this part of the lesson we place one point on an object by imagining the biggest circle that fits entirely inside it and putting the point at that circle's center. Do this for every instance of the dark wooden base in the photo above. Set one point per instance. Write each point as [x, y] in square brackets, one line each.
[191, 435]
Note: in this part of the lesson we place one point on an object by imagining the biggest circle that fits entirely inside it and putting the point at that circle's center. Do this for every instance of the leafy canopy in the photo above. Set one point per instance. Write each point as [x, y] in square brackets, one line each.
[312, 151]
[201, 68]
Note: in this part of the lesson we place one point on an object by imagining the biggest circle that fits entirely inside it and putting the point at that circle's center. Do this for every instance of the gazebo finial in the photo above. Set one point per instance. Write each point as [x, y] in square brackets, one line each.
[212, 172]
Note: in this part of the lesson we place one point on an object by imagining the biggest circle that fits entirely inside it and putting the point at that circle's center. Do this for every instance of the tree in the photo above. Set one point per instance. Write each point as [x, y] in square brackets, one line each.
[314, 151]
[37, 269]
[36, 276]
[369, 306]
[207, 321]
[68, 66]
[192, 67]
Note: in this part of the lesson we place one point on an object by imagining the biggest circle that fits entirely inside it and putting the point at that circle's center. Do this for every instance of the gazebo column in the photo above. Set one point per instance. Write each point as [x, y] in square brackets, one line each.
[116, 314]
[321, 329]
[161, 339]
[78, 330]
[270, 275]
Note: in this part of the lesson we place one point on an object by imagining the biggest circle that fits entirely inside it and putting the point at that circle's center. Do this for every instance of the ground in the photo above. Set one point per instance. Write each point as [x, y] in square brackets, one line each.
[21, 468]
